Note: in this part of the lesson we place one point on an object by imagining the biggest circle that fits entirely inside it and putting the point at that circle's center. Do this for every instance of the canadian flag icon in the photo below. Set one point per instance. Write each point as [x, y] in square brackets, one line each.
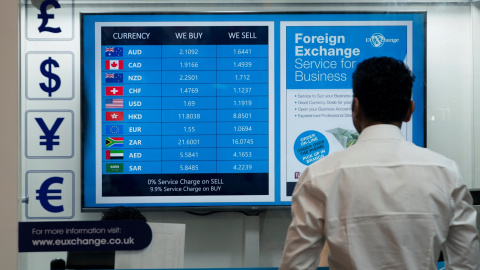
[113, 64]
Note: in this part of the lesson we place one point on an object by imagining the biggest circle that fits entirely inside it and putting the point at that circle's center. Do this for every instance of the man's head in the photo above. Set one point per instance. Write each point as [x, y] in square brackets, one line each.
[382, 91]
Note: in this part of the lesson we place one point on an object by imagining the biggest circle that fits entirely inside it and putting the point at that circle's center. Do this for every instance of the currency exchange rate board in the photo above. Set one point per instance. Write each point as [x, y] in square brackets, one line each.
[184, 111]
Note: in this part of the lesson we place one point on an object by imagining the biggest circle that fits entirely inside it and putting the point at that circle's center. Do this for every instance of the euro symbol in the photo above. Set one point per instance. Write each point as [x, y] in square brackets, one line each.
[44, 194]
[45, 17]
[47, 72]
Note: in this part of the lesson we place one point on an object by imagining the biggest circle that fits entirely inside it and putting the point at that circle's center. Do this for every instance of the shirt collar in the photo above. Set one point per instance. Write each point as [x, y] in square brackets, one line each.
[381, 131]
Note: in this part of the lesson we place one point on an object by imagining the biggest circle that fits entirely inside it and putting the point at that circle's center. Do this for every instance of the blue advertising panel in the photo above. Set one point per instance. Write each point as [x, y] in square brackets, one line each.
[226, 110]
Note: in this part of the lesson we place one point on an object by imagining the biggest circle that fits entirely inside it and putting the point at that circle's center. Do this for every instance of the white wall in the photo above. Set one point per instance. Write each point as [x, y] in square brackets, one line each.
[449, 86]
[217, 240]
[476, 90]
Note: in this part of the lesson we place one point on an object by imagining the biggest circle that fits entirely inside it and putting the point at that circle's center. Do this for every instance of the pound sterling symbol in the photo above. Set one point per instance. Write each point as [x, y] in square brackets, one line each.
[49, 136]
[51, 76]
[45, 17]
[44, 194]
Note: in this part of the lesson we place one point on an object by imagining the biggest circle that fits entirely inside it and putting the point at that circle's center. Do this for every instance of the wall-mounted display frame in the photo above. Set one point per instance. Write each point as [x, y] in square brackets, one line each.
[224, 111]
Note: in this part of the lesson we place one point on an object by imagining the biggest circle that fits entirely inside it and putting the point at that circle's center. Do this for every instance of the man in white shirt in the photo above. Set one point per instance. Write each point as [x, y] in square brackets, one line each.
[383, 203]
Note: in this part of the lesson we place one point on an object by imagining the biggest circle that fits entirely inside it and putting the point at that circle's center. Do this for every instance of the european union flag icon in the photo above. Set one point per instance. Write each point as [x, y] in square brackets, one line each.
[113, 51]
[114, 129]
[114, 77]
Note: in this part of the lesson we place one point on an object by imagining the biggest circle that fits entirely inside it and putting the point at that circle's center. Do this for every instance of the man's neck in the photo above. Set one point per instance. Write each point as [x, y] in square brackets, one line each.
[368, 123]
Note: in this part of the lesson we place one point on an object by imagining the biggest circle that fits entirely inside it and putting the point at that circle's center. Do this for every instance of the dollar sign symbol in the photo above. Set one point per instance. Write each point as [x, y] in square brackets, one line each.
[45, 16]
[51, 76]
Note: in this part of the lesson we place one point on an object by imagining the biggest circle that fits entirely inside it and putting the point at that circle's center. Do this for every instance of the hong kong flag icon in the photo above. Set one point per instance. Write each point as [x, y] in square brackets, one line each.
[114, 64]
[114, 116]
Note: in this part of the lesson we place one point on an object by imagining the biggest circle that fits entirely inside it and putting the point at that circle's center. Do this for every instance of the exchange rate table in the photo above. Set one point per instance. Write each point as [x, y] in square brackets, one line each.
[185, 110]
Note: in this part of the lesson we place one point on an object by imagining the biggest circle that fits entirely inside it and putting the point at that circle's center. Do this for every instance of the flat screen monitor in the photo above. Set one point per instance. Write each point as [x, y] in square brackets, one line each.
[225, 110]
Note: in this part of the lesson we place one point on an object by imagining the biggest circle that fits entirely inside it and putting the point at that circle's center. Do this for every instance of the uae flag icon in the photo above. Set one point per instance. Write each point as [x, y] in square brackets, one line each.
[114, 154]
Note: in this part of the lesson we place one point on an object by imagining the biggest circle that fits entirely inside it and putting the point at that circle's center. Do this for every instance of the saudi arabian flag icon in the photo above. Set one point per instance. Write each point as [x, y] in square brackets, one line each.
[114, 167]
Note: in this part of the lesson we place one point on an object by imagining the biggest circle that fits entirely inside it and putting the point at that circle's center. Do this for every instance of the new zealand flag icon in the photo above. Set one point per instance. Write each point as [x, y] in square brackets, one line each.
[114, 77]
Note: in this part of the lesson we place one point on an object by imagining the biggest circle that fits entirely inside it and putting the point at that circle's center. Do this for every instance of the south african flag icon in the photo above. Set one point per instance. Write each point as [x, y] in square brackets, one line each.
[114, 142]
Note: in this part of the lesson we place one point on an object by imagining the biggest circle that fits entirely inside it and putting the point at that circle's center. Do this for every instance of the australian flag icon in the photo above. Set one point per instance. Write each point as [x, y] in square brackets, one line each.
[113, 51]
[114, 77]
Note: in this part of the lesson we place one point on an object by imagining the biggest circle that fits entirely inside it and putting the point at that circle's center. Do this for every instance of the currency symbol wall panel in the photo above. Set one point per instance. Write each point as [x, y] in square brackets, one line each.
[50, 109]
[49, 134]
[50, 194]
[49, 75]
[49, 20]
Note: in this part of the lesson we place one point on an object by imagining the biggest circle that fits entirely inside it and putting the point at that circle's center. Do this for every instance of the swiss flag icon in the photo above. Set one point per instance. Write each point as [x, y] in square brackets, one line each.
[114, 64]
[114, 90]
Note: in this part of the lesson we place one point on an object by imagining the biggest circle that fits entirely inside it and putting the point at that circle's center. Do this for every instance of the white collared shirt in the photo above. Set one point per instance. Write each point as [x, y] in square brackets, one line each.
[383, 203]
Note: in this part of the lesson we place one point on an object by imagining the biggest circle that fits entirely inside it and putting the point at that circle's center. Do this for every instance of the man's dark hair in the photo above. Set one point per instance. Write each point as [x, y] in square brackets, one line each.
[383, 86]
[123, 213]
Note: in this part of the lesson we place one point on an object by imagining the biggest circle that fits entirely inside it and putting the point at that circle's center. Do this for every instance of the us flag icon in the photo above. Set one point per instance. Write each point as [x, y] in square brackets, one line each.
[113, 103]
[114, 64]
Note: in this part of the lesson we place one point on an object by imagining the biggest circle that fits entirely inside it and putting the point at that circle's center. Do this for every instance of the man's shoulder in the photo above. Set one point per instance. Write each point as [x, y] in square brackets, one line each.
[404, 152]
[427, 155]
